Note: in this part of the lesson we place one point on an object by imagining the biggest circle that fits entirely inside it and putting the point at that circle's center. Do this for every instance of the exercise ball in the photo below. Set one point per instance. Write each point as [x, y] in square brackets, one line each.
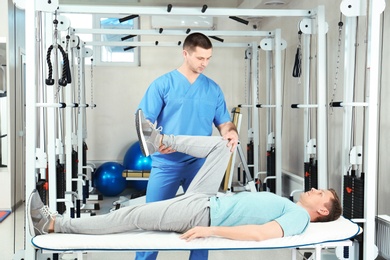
[108, 179]
[136, 161]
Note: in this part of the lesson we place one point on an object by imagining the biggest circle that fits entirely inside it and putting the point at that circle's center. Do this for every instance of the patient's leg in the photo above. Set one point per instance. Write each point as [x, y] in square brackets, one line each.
[214, 149]
[217, 155]
[178, 214]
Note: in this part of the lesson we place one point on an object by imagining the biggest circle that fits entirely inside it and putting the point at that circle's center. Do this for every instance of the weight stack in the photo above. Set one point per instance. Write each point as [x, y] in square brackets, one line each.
[75, 168]
[41, 186]
[271, 169]
[353, 202]
[353, 197]
[311, 175]
[85, 149]
[250, 159]
[61, 187]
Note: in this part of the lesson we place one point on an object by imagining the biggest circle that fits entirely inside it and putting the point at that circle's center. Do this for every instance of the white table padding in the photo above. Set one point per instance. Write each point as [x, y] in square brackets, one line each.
[316, 233]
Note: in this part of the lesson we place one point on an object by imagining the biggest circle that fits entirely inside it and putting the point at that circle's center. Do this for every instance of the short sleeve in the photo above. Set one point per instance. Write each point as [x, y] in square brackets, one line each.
[294, 222]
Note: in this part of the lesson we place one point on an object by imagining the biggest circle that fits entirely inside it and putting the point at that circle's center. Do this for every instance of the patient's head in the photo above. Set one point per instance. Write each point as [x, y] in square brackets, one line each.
[322, 205]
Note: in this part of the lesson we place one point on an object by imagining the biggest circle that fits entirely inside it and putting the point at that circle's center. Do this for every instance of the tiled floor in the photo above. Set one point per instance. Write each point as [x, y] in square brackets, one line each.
[12, 245]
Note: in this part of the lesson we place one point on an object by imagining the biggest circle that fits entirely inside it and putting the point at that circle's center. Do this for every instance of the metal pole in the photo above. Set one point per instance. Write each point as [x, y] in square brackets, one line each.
[278, 111]
[349, 81]
[322, 142]
[375, 9]
[31, 114]
[306, 93]
[255, 110]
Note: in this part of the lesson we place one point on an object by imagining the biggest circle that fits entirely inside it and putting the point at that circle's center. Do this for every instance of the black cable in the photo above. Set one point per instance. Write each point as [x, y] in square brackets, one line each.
[66, 76]
[297, 69]
[49, 80]
[64, 80]
[297, 64]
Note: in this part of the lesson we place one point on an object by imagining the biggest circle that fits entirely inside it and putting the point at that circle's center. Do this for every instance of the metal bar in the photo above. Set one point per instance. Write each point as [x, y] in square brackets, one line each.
[233, 159]
[269, 123]
[305, 106]
[322, 142]
[278, 111]
[350, 104]
[173, 32]
[371, 126]
[306, 94]
[55, 105]
[245, 105]
[269, 97]
[69, 112]
[52, 131]
[349, 81]
[248, 71]
[249, 178]
[31, 115]
[255, 112]
[294, 177]
[318, 249]
[259, 106]
[80, 119]
[294, 254]
[160, 44]
[187, 11]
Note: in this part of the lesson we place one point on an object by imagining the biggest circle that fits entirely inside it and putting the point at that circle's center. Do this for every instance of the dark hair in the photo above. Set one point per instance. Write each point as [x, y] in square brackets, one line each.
[197, 40]
[334, 207]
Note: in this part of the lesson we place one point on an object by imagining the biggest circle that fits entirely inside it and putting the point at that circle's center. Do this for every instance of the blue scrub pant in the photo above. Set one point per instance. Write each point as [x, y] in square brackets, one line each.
[163, 184]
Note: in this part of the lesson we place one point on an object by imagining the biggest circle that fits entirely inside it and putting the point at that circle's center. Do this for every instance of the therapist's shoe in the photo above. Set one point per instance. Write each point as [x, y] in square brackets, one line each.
[149, 137]
[39, 215]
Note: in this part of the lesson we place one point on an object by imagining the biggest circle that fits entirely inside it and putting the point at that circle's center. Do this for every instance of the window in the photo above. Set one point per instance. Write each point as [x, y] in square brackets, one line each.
[110, 54]
[81, 21]
[107, 54]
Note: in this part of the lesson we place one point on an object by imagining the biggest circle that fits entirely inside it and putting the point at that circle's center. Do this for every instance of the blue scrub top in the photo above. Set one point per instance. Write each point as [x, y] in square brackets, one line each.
[182, 108]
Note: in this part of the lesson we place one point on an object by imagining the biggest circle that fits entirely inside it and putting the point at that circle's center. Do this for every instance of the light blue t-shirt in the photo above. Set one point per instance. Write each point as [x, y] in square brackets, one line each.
[258, 208]
[183, 108]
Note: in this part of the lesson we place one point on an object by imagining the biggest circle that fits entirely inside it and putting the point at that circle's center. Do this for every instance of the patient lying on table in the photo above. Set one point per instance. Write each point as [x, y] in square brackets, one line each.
[199, 212]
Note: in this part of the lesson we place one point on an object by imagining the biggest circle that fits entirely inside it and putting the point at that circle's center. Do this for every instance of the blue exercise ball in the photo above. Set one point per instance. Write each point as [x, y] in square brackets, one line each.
[108, 179]
[136, 161]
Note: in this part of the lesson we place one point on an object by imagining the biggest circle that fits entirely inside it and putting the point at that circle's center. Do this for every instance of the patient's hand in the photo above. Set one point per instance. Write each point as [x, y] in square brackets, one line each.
[197, 232]
[243, 232]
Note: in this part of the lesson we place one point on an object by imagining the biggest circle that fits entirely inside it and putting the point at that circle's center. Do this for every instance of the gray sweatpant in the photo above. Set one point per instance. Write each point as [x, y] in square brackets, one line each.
[178, 214]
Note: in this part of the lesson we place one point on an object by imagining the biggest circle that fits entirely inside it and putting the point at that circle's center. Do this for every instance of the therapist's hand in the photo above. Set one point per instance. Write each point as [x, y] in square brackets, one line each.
[166, 150]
